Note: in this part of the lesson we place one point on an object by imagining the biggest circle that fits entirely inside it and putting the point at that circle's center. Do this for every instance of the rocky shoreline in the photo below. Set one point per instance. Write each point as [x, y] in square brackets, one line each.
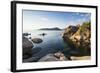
[77, 37]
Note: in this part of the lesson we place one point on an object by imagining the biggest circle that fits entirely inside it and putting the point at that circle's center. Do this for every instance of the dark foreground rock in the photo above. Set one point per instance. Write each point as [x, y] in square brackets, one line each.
[35, 57]
[37, 40]
[53, 57]
[78, 37]
[27, 48]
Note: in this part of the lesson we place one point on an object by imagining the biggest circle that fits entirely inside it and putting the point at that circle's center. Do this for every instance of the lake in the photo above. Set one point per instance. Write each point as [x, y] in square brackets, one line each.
[52, 42]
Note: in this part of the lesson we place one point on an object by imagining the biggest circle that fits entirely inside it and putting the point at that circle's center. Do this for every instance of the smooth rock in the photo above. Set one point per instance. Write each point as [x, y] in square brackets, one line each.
[54, 57]
[37, 40]
[49, 57]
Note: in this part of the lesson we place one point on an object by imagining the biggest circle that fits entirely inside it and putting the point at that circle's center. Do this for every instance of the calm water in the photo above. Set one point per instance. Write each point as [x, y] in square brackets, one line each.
[52, 41]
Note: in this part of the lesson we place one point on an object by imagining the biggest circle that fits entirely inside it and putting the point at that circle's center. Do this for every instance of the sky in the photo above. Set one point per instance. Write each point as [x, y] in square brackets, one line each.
[33, 19]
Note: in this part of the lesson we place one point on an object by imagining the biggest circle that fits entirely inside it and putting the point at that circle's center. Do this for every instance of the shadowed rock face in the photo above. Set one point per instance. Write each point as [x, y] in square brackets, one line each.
[27, 48]
[78, 37]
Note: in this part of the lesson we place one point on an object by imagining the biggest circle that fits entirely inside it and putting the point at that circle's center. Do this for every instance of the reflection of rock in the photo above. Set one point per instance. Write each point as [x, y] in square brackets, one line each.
[37, 40]
[78, 37]
[27, 48]
[54, 57]
[80, 58]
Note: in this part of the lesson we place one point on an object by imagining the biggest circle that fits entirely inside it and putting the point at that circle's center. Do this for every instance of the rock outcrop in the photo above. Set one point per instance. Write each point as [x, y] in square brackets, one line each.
[78, 37]
[27, 48]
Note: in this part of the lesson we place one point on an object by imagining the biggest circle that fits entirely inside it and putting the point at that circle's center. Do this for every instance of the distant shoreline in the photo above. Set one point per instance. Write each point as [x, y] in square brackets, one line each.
[56, 28]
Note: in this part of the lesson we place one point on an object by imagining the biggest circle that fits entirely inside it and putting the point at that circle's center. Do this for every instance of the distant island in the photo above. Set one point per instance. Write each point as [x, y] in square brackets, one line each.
[55, 28]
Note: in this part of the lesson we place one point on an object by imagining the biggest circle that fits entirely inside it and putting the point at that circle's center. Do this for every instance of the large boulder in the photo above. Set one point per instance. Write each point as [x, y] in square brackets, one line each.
[78, 37]
[37, 40]
[27, 48]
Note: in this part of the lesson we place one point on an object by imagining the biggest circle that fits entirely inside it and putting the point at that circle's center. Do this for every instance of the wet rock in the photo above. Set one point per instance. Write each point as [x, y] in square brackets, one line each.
[37, 40]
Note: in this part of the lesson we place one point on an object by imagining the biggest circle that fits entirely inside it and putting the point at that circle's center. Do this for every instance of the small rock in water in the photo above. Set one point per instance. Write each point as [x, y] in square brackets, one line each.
[43, 34]
[37, 40]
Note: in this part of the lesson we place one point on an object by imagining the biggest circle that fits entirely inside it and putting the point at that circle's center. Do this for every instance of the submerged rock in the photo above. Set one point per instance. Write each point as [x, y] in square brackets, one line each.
[37, 40]
[27, 48]
[36, 50]
[35, 57]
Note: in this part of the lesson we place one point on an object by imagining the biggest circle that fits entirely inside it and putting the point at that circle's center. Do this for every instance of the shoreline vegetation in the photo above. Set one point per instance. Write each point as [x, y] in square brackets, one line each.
[77, 37]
